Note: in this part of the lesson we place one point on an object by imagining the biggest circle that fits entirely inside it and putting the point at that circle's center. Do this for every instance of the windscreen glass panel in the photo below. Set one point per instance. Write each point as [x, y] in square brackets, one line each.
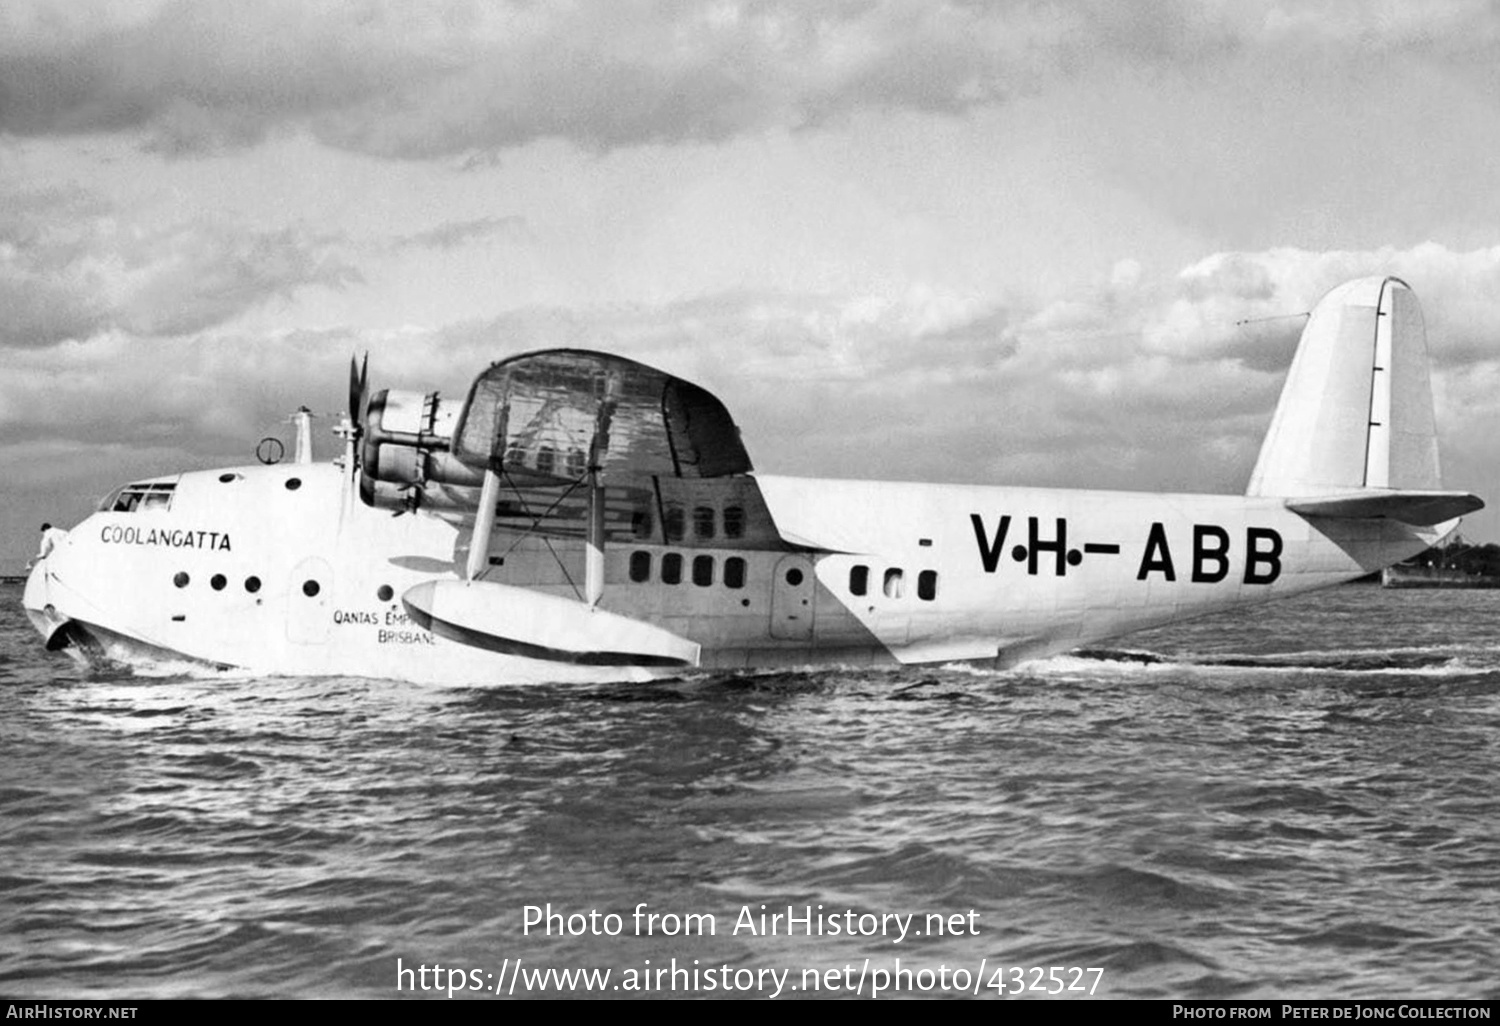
[151, 495]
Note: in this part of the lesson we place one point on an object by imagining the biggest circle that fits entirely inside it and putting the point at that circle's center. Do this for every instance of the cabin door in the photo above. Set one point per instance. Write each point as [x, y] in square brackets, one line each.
[309, 616]
[792, 589]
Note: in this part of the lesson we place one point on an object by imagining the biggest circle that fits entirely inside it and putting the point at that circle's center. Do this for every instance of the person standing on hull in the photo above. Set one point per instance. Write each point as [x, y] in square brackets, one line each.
[51, 538]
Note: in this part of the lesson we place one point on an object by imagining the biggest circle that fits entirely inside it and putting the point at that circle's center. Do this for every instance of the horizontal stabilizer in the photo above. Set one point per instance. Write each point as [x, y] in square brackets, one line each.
[1420, 509]
[535, 625]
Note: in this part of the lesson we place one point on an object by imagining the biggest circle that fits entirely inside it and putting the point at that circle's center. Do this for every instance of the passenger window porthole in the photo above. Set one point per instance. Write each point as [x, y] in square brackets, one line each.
[703, 571]
[895, 583]
[640, 566]
[180, 579]
[671, 568]
[859, 579]
[674, 523]
[703, 521]
[794, 577]
[293, 483]
[217, 582]
[385, 593]
[310, 588]
[252, 584]
[734, 521]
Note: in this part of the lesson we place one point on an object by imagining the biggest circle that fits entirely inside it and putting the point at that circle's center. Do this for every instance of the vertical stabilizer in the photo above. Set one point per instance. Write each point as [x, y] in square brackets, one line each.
[1356, 410]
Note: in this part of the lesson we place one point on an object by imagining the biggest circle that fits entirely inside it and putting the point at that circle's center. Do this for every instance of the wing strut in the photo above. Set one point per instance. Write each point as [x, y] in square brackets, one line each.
[484, 524]
[593, 567]
[489, 500]
[593, 585]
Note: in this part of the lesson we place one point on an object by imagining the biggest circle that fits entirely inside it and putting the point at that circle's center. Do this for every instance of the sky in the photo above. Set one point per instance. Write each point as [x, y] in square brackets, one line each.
[1061, 244]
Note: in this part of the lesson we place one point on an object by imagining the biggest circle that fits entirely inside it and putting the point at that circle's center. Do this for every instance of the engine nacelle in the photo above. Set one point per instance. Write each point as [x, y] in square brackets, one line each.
[404, 459]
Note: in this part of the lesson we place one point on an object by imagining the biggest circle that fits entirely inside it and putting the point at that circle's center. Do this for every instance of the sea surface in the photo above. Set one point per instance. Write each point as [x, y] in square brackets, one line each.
[1298, 801]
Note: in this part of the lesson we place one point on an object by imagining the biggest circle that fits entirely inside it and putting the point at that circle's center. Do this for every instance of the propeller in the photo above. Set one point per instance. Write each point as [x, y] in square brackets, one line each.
[358, 383]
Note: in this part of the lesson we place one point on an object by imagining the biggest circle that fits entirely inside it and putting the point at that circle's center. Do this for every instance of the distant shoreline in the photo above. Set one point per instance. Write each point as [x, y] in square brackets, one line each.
[1435, 577]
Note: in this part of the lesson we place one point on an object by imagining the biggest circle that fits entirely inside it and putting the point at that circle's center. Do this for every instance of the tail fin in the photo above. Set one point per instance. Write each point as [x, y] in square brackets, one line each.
[1355, 421]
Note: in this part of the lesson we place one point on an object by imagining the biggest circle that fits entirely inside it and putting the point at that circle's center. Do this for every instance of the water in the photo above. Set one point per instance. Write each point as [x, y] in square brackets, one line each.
[1298, 801]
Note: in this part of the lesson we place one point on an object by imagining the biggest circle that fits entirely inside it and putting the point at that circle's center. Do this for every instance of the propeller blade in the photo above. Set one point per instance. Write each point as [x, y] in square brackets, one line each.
[353, 390]
[358, 381]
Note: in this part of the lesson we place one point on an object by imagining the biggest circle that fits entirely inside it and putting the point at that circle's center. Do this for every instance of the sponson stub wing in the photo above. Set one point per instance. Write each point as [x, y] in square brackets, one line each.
[663, 450]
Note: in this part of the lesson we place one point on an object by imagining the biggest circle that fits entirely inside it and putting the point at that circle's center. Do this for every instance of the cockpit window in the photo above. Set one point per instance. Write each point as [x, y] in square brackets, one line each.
[133, 497]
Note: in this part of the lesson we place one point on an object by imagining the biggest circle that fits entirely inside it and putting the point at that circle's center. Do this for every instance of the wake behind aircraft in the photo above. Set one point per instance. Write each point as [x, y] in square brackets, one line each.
[582, 517]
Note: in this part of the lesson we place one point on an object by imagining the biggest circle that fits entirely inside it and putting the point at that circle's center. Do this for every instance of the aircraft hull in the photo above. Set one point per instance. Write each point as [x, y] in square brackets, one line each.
[621, 535]
[280, 570]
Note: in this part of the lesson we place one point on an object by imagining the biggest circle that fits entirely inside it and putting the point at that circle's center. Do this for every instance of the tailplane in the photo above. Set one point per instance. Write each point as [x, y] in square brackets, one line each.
[1354, 435]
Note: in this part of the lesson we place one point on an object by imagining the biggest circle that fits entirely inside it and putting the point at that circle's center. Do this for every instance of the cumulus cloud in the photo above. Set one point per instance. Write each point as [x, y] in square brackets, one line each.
[1460, 292]
[459, 77]
[69, 269]
[1144, 381]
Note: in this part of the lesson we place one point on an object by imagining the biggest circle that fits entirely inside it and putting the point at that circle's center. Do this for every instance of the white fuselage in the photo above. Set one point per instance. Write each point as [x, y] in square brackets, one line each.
[282, 570]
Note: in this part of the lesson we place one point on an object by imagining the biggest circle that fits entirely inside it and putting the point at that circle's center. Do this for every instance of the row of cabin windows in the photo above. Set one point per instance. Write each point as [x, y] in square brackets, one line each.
[893, 583]
[573, 464]
[706, 521]
[218, 582]
[702, 569]
[310, 587]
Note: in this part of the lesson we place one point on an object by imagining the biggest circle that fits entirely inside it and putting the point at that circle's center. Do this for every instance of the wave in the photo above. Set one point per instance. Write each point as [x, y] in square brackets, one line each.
[1440, 661]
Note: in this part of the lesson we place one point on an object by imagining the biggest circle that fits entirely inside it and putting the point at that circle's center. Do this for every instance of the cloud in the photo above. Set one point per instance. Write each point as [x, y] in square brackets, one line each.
[69, 270]
[453, 234]
[458, 77]
[1144, 381]
[1460, 292]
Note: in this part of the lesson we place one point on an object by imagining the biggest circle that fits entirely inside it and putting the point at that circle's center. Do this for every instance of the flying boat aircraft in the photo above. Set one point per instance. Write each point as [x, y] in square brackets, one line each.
[578, 516]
